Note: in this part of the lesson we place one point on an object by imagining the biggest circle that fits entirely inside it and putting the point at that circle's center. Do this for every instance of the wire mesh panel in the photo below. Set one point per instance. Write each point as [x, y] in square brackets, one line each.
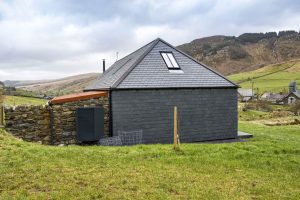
[111, 141]
[131, 137]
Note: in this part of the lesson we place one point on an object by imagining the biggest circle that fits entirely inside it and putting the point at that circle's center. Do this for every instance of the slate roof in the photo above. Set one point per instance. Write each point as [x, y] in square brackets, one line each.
[297, 94]
[270, 96]
[145, 68]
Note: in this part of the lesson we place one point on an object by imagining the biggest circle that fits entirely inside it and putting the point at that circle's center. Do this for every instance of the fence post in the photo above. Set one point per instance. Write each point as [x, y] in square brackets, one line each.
[175, 127]
[1, 116]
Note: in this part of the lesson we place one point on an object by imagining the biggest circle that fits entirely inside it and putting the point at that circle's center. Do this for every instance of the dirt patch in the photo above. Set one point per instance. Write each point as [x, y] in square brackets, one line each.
[283, 113]
[283, 123]
[295, 68]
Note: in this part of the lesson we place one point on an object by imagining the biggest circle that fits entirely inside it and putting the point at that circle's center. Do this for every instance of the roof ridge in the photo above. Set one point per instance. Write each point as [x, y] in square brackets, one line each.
[136, 50]
[136, 62]
[106, 71]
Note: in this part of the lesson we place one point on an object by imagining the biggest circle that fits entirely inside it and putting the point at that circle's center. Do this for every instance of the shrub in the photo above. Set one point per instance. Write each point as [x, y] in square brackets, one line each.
[237, 53]
[283, 113]
[284, 33]
[206, 47]
[259, 105]
[251, 37]
[270, 34]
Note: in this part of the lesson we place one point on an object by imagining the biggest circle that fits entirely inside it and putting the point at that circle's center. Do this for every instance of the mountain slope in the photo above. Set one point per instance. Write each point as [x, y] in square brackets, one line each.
[62, 86]
[227, 54]
[275, 77]
[249, 51]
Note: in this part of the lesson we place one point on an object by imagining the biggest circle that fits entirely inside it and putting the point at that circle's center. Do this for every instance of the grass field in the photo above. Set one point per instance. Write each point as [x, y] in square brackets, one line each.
[17, 100]
[265, 167]
[274, 77]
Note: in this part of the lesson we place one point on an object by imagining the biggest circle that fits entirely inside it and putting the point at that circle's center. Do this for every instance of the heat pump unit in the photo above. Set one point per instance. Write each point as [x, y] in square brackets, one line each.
[90, 124]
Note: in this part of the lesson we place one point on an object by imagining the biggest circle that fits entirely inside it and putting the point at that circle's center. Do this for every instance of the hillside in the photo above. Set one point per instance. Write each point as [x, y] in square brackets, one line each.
[227, 54]
[59, 86]
[247, 52]
[275, 77]
[17, 101]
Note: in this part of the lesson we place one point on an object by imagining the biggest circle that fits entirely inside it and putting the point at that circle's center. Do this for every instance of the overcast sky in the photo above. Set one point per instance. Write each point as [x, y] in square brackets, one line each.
[46, 39]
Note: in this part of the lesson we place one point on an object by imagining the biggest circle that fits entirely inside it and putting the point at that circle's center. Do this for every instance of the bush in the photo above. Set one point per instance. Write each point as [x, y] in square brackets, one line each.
[251, 37]
[284, 33]
[270, 34]
[237, 53]
[283, 113]
[259, 105]
[206, 47]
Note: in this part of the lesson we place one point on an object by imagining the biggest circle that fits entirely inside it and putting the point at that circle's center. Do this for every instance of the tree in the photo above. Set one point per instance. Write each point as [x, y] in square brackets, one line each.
[270, 34]
[251, 37]
[288, 32]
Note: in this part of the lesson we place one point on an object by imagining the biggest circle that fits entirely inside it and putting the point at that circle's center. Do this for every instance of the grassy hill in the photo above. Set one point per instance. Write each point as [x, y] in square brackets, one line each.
[247, 52]
[56, 87]
[265, 167]
[274, 77]
[17, 100]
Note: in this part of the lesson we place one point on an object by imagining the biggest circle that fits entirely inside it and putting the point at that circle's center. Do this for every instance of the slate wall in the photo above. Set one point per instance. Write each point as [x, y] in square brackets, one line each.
[204, 114]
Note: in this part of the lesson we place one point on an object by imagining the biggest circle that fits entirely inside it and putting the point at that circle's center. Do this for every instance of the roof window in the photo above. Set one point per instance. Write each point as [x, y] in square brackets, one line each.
[170, 60]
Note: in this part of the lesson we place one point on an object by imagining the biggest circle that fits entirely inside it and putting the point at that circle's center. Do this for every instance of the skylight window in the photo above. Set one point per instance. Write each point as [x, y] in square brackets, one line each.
[170, 60]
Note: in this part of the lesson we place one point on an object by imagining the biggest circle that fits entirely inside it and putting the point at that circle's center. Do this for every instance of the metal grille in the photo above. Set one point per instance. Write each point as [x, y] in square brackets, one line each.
[131, 137]
[111, 141]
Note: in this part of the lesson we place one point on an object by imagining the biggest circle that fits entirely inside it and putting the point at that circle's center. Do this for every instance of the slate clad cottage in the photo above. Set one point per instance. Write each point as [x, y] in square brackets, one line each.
[144, 87]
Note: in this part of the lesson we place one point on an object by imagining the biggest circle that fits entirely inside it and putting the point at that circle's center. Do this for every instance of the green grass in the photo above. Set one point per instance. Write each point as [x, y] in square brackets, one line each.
[265, 167]
[276, 82]
[251, 115]
[17, 100]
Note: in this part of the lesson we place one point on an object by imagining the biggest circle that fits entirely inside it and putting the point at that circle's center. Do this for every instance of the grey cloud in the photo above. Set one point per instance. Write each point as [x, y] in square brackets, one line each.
[49, 39]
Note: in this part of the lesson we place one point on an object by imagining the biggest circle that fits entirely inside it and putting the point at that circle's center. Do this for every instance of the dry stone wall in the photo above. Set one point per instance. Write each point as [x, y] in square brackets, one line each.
[32, 123]
[65, 118]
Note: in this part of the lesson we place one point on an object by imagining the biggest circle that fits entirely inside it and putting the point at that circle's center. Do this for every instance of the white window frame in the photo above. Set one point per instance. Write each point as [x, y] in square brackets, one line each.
[170, 60]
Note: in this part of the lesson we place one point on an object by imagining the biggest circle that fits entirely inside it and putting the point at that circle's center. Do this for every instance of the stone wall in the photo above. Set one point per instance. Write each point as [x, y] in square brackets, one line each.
[32, 123]
[65, 118]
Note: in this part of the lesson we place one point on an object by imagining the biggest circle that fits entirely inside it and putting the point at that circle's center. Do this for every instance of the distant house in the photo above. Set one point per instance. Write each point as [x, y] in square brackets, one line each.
[272, 97]
[245, 95]
[144, 86]
[294, 94]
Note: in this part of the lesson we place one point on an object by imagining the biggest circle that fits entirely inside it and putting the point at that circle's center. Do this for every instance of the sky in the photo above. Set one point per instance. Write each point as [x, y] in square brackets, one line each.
[49, 39]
